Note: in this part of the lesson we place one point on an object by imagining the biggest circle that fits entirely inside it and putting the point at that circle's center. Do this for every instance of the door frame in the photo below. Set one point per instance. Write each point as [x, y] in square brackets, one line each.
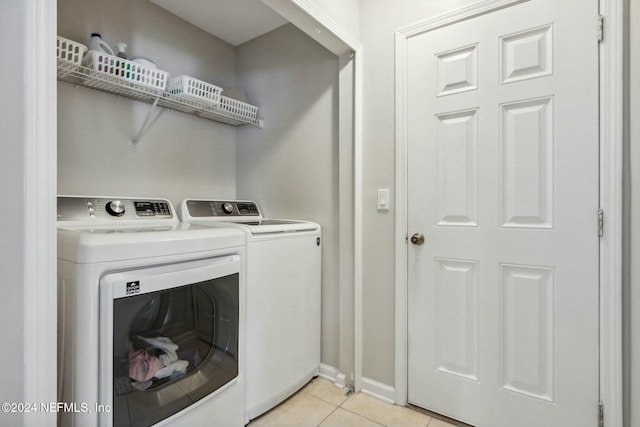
[39, 311]
[611, 144]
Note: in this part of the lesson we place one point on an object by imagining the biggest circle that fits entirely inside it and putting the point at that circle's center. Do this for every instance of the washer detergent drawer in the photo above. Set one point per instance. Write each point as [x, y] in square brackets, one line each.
[168, 338]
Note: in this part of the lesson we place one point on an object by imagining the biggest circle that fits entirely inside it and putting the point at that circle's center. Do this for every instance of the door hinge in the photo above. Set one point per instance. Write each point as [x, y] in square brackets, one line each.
[600, 414]
[600, 222]
[600, 28]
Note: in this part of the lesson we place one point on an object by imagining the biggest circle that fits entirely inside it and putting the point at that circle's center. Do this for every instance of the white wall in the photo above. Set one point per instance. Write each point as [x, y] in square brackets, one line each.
[180, 156]
[378, 22]
[290, 166]
[12, 170]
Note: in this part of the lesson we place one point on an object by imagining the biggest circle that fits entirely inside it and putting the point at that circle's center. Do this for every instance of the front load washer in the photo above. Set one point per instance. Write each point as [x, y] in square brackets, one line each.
[283, 297]
[151, 316]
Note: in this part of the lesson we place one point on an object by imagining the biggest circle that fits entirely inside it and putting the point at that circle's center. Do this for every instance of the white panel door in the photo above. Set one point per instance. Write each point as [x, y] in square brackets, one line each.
[503, 183]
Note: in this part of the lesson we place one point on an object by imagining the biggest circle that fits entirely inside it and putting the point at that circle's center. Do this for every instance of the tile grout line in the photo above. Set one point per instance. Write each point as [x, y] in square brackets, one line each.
[326, 400]
[376, 421]
[360, 415]
[325, 418]
[330, 400]
[334, 410]
[365, 417]
[335, 407]
[341, 406]
[345, 409]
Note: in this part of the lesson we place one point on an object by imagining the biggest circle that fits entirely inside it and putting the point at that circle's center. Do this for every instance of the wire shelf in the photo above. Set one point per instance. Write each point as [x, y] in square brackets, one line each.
[86, 77]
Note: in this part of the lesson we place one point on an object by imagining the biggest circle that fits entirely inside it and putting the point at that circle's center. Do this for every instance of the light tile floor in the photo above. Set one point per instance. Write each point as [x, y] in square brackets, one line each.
[321, 404]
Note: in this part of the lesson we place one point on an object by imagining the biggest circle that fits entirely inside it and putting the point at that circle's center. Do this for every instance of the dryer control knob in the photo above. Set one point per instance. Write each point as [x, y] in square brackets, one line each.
[227, 208]
[115, 208]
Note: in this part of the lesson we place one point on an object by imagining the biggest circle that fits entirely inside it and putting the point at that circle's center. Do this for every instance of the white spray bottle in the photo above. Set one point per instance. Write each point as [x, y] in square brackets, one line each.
[122, 50]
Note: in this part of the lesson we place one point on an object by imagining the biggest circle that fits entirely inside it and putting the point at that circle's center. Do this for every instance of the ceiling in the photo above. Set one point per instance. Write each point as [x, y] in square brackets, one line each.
[234, 21]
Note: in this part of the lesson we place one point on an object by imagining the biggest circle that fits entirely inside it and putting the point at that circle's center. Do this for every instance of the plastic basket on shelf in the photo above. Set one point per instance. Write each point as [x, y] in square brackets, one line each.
[238, 110]
[194, 89]
[125, 72]
[69, 55]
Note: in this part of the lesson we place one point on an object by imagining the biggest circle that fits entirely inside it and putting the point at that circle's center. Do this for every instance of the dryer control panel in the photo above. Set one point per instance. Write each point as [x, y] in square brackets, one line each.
[80, 208]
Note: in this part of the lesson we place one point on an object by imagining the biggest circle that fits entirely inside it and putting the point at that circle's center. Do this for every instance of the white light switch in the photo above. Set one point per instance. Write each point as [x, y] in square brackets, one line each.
[383, 199]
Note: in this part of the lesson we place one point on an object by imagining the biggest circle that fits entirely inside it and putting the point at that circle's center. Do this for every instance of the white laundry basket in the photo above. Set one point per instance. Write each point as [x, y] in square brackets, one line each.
[238, 110]
[69, 55]
[124, 72]
[194, 90]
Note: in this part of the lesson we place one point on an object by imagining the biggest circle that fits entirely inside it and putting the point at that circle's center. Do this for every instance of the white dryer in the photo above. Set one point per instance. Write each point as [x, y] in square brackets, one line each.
[283, 297]
[151, 316]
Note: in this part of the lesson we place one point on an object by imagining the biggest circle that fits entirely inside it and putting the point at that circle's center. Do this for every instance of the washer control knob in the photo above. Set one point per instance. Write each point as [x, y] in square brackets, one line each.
[227, 208]
[115, 208]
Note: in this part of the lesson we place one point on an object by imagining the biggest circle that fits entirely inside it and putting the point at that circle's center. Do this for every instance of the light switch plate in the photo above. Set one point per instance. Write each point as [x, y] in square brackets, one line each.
[383, 199]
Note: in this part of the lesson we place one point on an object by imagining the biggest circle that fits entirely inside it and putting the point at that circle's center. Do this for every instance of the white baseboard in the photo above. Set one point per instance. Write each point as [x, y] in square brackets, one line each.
[332, 374]
[371, 387]
[378, 390]
[341, 380]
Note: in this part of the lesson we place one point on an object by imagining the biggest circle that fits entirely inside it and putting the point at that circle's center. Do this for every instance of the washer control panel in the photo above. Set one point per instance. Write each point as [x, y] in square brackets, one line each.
[222, 208]
[79, 208]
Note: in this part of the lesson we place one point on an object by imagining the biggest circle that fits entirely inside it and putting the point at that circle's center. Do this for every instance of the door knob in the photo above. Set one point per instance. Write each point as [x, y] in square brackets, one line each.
[417, 239]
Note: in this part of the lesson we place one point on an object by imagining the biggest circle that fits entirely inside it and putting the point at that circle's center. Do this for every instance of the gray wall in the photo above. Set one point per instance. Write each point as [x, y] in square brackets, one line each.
[180, 156]
[378, 23]
[13, 121]
[290, 166]
[150, 31]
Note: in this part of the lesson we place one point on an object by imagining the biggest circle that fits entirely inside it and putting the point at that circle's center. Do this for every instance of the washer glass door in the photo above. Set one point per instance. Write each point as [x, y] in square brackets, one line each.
[169, 338]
